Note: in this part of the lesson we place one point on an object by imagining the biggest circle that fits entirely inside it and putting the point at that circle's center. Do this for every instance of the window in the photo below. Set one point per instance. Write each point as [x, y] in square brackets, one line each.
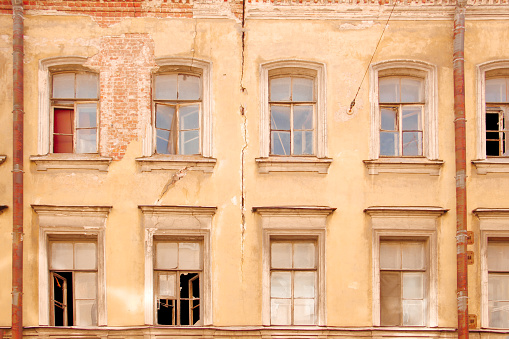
[178, 271]
[498, 282]
[403, 281]
[178, 107]
[401, 116]
[73, 274]
[74, 106]
[497, 113]
[293, 276]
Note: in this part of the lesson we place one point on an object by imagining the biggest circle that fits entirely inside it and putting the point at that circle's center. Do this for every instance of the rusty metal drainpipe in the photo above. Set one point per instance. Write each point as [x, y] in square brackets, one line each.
[461, 165]
[17, 171]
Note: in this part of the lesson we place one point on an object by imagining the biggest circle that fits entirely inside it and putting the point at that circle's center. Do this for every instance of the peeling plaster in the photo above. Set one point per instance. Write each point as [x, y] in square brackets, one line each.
[172, 181]
[361, 25]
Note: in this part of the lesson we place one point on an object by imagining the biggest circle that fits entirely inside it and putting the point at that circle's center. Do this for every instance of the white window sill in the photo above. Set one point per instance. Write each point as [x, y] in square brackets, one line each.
[66, 161]
[492, 165]
[293, 164]
[176, 162]
[2, 158]
[404, 165]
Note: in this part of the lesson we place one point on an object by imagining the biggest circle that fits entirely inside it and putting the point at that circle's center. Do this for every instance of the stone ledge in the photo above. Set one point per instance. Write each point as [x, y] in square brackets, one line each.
[491, 165]
[2, 159]
[293, 164]
[71, 162]
[404, 165]
[176, 162]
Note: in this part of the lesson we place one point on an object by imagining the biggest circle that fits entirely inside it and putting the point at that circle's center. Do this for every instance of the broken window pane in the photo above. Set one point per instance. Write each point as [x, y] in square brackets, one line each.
[280, 312]
[496, 90]
[85, 285]
[166, 87]
[189, 87]
[189, 256]
[390, 299]
[303, 255]
[63, 85]
[304, 285]
[413, 312]
[390, 255]
[304, 312]
[85, 256]
[167, 284]
[86, 86]
[281, 285]
[413, 285]
[280, 89]
[62, 256]
[281, 255]
[412, 255]
[166, 312]
[388, 90]
[498, 257]
[86, 313]
[166, 255]
[302, 89]
[411, 90]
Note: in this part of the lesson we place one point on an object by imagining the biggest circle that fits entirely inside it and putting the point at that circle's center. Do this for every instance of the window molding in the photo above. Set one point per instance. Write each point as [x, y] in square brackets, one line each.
[483, 164]
[45, 160]
[406, 223]
[175, 222]
[204, 162]
[288, 223]
[493, 223]
[74, 221]
[316, 163]
[429, 162]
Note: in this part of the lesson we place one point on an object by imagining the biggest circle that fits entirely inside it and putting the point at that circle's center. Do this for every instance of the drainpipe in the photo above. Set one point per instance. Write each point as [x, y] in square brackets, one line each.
[17, 171]
[461, 165]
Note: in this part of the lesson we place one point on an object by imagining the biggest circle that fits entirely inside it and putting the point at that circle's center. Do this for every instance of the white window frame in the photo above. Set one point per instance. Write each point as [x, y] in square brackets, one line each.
[314, 163]
[174, 223]
[71, 222]
[200, 162]
[288, 224]
[484, 164]
[429, 162]
[406, 224]
[493, 223]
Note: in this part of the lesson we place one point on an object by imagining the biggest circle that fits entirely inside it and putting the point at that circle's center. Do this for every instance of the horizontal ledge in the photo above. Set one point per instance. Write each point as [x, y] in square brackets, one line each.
[71, 161]
[404, 165]
[2, 208]
[56, 209]
[294, 210]
[293, 164]
[492, 165]
[176, 162]
[177, 209]
[2, 158]
[405, 210]
[491, 212]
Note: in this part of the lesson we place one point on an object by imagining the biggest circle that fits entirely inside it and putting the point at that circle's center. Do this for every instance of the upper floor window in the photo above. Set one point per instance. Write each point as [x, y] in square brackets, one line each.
[401, 106]
[74, 112]
[178, 113]
[497, 115]
[498, 282]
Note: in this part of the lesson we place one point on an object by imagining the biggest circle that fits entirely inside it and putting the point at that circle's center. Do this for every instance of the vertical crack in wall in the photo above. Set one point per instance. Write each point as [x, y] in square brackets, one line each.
[243, 153]
[243, 30]
[193, 50]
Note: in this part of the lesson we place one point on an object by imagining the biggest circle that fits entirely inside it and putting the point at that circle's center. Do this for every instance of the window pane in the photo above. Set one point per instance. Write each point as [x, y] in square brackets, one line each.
[167, 284]
[86, 313]
[85, 256]
[303, 117]
[388, 118]
[411, 90]
[281, 255]
[63, 85]
[302, 89]
[388, 90]
[280, 312]
[280, 143]
[280, 117]
[164, 117]
[166, 87]
[496, 90]
[166, 255]
[190, 142]
[389, 143]
[280, 89]
[63, 120]
[498, 287]
[303, 255]
[189, 117]
[499, 313]
[86, 141]
[303, 142]
[189, 256]
[62, 144]
[412, 118]
[86, 115]
[62, 256]
[86, 85]
[498, 257]
[412, 256]
[164, 145]
[304, 285]
[86, 285]
[413, 285]
[189, 87]
[413, 312]
[304, 312]
[281, 285]
[412, 143]
[390, 255]
[390, 299]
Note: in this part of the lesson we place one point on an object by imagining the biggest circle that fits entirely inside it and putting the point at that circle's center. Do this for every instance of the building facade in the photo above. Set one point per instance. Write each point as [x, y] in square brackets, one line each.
[197, 168]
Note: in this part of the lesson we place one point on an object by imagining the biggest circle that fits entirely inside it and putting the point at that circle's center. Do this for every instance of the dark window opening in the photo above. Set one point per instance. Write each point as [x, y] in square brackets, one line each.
[63, 298]
[185, 309]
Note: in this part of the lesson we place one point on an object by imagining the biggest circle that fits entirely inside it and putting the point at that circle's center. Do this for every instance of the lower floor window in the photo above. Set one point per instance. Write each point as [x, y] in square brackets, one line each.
[498, 283]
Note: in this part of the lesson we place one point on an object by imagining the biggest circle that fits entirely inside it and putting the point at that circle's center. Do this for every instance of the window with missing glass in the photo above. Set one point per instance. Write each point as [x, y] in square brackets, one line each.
[178, 268]
[292, 101]
[178, 111]
[74, 106]
[293, 282]
[497, 115]
[498, 282]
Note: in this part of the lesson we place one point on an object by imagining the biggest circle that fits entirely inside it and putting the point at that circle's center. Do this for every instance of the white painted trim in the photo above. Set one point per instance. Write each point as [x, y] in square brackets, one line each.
[75, 221]
[430, 134]
[177, 222]
[321, 97]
